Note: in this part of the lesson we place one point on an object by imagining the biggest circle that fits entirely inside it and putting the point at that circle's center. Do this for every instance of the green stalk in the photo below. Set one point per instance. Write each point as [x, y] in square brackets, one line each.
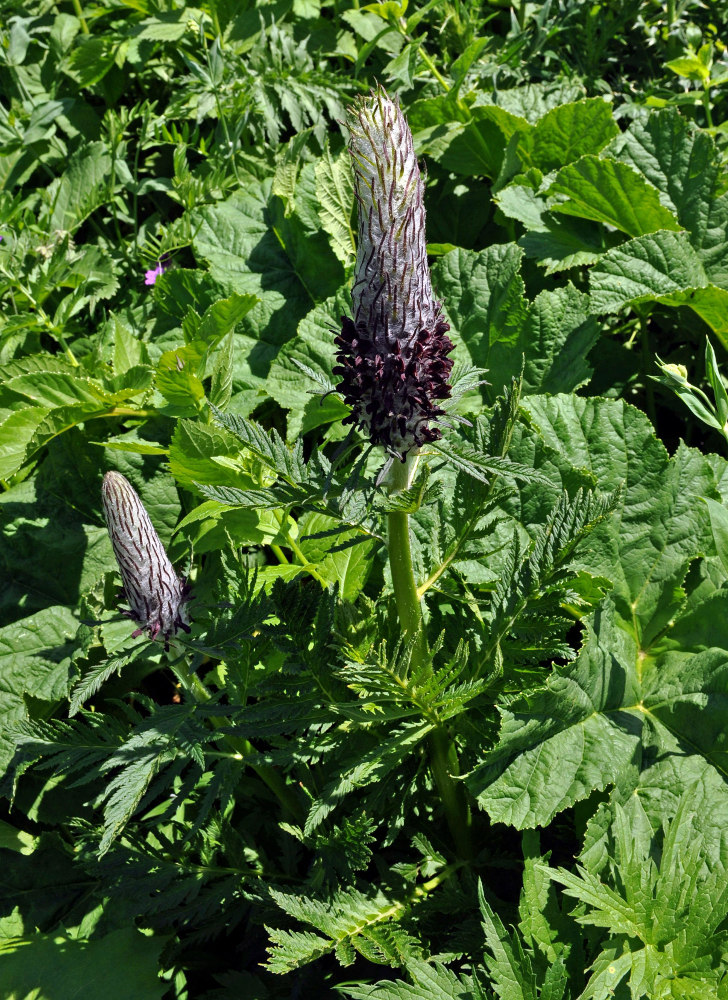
[443, 753]
[242, 748]
[79, 15]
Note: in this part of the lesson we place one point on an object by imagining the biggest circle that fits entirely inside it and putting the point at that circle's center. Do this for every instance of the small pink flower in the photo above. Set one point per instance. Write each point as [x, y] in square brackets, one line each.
[151, 276]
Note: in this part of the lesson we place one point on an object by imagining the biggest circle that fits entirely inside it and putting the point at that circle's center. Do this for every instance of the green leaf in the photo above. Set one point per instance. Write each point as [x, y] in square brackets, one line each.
[647, 547]
[179, 375]
[129, 350]
[245, 255]
[690, 67]
[47, 966]
[348, 567]
[719, 526]
[430, 982]
[212, 526]
[613, 193]
[684, 164]
[82, 189]
[204, 453]
[221, 386]
[311, 353]
[18, 429]
[52, 381]
[558, 336]
[291, 949]
[582, 731]
[34, 660]
[567, 132]
[335, 190]
[508, 965]
[474, 149]
[222, 317]
[486, 308]
[720, 395]
[660, 267]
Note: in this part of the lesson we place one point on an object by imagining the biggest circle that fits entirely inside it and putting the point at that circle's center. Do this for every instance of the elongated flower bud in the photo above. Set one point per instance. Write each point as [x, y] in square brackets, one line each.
[393, 355]
[155, 593]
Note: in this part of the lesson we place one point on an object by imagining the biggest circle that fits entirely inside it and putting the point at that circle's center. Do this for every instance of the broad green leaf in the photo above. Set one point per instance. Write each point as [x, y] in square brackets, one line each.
[34, 660]
[613, 193]
[565, 242]
[645, 549]
[52, 381]
[54, 965]
[222, 317]
[245, 255]
[494, 327]
[534, 100]
[50, 555]
[718, 514]
[659, 267]
[335, 189]
[179, 375]
[474, 149]
[212, 526]
[129, 350]
[485, 304]
[559, 334]
[82, 189]
[17, 431]
[567, 132]
[348, 567]
[685, 166]
[313, 348]
[204, 453]
[583, 730]
[221, 386]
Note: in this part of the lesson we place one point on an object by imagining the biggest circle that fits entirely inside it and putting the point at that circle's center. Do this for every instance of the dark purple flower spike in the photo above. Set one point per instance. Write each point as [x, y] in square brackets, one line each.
[392, 356]
[156, 595]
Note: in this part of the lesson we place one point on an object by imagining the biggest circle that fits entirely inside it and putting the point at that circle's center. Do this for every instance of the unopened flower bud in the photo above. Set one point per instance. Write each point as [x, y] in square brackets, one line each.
[156, 595]
[392, 356]
[677, 371]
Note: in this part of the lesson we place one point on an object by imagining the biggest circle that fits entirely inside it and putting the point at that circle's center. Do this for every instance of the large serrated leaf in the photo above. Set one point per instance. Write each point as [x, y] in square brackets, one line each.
[613, 193]
[335, 190]
[583, 730]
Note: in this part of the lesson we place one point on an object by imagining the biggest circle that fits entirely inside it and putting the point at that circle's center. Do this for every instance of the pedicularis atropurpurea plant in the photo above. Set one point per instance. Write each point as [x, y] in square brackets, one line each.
[427, 683]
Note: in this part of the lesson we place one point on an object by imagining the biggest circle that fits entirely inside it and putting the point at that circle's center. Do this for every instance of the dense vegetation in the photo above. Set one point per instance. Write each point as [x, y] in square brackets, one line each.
[299, 798]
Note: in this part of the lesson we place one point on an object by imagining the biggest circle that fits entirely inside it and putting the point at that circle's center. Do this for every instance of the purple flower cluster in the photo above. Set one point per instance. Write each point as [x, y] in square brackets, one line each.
[393, 355]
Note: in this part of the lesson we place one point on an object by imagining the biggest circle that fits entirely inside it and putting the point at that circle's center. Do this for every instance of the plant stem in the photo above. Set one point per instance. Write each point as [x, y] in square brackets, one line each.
[443, 753]
[79, 15]
[243, 748]
[407, 602]
[647, 363]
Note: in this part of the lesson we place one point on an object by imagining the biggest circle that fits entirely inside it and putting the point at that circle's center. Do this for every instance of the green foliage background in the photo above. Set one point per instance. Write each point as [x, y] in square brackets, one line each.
[252, 814]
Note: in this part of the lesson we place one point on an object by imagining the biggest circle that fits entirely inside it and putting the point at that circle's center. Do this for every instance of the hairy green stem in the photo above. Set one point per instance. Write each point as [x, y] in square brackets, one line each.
[443, 753]
[241, 747]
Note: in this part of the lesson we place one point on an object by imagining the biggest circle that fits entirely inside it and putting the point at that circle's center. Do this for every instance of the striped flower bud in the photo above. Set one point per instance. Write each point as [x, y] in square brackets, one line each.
[155, 593]
[392, 356]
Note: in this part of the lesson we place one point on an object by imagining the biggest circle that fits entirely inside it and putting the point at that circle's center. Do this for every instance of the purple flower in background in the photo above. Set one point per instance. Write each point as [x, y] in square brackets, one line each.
[151, 276]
